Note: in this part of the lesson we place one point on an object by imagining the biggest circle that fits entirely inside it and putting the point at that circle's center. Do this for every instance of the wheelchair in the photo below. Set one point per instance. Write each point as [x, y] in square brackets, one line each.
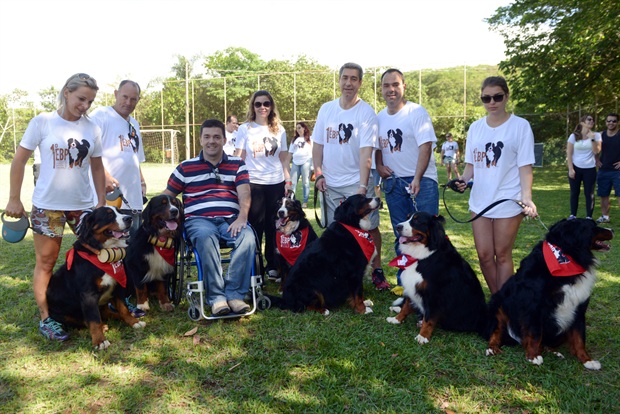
[188, 266]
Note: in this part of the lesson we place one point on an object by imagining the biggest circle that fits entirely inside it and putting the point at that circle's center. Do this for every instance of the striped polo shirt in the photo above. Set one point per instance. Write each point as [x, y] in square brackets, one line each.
[209, 190]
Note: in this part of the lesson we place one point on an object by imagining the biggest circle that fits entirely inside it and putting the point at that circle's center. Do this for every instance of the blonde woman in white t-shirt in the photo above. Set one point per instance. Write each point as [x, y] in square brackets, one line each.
[499, 154]
[582, 146]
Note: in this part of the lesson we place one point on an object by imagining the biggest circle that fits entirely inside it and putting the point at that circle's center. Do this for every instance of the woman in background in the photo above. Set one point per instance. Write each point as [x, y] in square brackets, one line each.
[301, 155]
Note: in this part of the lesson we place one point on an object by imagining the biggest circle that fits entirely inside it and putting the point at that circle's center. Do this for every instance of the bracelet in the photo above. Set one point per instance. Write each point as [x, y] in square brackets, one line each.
[365, 187]
[288, 182]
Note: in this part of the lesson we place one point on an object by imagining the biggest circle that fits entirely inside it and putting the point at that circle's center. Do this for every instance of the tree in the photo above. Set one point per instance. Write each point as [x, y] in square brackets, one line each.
[560, 52]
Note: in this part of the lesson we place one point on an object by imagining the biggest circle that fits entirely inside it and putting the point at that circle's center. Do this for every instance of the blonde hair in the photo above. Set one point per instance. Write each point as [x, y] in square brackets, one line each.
[273, 120]
[72, 84]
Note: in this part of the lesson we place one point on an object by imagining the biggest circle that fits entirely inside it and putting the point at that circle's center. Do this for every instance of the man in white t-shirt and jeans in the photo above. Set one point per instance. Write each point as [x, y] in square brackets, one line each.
[232, 125]
[344, 136]
[123, 151]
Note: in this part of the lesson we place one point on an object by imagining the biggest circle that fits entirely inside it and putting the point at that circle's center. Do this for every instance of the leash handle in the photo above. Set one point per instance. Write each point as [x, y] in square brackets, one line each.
[316, 197]
[477, 216]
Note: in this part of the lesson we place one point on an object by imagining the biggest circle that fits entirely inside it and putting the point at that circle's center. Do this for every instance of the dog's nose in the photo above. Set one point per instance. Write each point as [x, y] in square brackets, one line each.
[174, 213]
[127, 220]
[399, 228]
[281, 213]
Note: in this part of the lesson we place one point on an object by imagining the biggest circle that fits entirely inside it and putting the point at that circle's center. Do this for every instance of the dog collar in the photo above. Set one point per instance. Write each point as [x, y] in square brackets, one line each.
[402, 262]
[363, 238]
[559, 263]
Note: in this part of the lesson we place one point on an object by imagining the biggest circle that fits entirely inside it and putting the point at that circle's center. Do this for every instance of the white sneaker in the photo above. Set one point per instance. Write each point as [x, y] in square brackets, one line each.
[603, 219]
[272, 275]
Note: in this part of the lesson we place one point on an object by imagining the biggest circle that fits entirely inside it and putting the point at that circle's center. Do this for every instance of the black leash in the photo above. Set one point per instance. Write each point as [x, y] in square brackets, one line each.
[452, 186]
[316, 197]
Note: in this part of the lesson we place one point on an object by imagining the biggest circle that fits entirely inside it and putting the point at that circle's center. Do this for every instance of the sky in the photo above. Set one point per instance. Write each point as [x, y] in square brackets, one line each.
[43, 42]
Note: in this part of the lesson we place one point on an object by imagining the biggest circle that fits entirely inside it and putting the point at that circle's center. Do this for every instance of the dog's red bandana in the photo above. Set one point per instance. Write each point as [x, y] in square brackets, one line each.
[166, 254]
[403, 261]
[290, 247]
[114, 269]
[559, 263]
[364, 240]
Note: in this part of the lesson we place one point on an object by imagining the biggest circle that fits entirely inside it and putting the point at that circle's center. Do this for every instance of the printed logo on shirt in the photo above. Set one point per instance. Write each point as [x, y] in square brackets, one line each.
[343, 135]
[491, 155]
[73, 155]
[268, 147]
[394, 140]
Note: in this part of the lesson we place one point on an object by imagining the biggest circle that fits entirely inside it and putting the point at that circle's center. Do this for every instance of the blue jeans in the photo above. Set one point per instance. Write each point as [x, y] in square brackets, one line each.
[303, 171]
[205, 234]
[400, 204]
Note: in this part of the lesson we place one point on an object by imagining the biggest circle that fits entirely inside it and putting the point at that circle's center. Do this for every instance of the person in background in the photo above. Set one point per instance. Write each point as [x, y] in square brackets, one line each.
[232, 125]
[301, 156]
[581, 149]
[344, 137]
[405, 156]
[36, 165]
[499, 154]
[261, 143]
[216, 196]
[70, 147]
[450, 156]
[123, 151]
[609, 166]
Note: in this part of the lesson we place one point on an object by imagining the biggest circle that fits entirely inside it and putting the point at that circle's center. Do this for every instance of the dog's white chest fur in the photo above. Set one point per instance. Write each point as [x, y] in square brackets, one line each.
[574, 295]
[158, 268]
[410, 277]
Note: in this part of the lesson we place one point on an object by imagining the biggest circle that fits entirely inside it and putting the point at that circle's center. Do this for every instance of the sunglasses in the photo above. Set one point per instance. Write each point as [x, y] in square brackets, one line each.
[133, 137]
[266, 104]
[589, 118]
[216, 172]
[613, 121]
[498, 97]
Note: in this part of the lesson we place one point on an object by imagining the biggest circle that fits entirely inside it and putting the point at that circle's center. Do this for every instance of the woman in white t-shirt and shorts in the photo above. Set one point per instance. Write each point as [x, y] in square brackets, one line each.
[499, 153]
[301, 156]
[70, 146]
[582, 146]
[261, 142]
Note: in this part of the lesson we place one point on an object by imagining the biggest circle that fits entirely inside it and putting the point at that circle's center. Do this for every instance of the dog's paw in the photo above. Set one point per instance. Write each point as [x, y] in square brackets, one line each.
[166, 307]
[489, 352]
[538, 360]
[139, 325]
[325, 312]
[368, 303]
[104, 345]
[421, 340]
[368, 310]
[144, 306]
[593, 365]
[396, 309]
[392, 320]
[559, 355]
[399, 302]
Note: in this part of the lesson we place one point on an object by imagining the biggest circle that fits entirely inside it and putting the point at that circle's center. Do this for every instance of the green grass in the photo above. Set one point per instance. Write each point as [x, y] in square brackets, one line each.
[280, 362]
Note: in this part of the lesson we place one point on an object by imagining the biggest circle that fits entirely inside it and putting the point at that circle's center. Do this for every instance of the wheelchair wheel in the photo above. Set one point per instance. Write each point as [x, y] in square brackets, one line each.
[194, 313]
[263, 303]
[177, 288]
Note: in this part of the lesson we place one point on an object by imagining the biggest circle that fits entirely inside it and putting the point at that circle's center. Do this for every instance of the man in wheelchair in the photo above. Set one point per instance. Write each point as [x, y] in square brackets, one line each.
[216, 195]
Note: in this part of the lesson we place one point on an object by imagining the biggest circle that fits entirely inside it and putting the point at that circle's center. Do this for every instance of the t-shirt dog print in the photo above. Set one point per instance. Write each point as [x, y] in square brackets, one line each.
[74, 154]
[491, 154]
[268, 147]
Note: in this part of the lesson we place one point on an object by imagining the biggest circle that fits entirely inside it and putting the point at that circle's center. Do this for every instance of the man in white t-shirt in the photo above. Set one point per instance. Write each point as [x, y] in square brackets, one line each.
[123, 151]
[344, 136]
[232, 125]
[450, 156]
[405, 157]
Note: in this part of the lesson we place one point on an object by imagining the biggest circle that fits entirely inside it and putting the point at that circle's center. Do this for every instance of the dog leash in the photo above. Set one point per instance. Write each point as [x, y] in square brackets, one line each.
[316, 197]
[407, 189]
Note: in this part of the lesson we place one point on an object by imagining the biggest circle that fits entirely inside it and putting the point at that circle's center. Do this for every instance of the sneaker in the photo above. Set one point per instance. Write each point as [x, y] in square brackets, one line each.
[273, 275]
[135, 311]
[603, 219]
[304, 205]
[378, 278]
[220, 308]
[588, 218]
[52, 330]
[238, 306]
[571, 217]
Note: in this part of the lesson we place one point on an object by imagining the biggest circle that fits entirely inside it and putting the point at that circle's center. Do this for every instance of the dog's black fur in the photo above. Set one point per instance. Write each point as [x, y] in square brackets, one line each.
[440, 286]
[540, 310]
[291, 223]
[162, 218]
[330, 271]
[79, 292]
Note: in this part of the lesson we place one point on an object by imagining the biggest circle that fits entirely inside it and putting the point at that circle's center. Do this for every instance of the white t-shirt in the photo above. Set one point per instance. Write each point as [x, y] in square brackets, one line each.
[66, 148]
[262, 149]
[301, 150]
[496, 155]
[583, 156]
[122, 153]
[342, 133]
[229, 147]
[400, 136]
[450, 148]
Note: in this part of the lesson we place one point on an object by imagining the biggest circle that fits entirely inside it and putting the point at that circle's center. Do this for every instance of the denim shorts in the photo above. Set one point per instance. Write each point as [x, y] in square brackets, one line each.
[605, 180]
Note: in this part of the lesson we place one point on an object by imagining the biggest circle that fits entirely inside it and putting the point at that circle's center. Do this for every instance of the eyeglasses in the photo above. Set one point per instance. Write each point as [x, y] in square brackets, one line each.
[589, 118]
[266, 104]
[133, 138]
[612, 121]
[498, 97]
[83, 76]
[216, 172]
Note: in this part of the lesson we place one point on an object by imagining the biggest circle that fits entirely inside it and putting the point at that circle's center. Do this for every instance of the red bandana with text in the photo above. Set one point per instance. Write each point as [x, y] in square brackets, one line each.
[167, 254]
[364, 240]
[558, 263]
[403, 261]
[290, 247]
[116, 269]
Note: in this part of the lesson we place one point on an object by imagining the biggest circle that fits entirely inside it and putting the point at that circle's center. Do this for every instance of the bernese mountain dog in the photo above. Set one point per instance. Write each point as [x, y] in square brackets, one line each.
[293, 234]
[438, 283]
[544, 304]
[152, 251]
[93, 276]
[330, 271]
